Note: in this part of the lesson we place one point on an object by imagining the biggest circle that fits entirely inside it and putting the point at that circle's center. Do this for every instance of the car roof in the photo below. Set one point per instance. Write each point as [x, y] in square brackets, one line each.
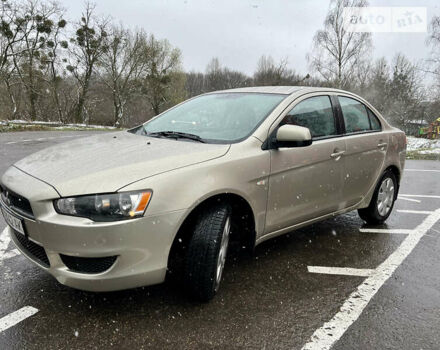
[286, 90]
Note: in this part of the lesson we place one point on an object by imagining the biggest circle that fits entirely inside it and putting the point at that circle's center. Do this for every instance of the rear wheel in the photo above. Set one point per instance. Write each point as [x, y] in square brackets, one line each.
[207, 250]
[382, 201]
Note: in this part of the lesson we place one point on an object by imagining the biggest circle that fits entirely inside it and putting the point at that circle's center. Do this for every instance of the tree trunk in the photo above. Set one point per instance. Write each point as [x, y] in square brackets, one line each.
[80, 115]
[33, 103]
[55, 94]
[58, 106]
[11, 98]
[117, 106]
[156, 108]
[31, 91]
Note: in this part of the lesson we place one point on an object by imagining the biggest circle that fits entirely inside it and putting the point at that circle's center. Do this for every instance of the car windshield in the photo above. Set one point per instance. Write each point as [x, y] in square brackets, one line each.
[218, 117]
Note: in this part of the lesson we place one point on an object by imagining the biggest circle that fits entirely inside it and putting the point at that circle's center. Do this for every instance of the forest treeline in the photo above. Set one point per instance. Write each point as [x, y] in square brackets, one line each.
[92, 70]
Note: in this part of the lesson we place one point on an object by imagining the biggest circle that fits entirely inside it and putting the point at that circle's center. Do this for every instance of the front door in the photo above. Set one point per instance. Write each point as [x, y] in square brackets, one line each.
[305, 182]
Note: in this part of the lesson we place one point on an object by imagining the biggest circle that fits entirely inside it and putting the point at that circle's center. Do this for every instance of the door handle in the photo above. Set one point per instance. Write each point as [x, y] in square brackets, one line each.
[381, 145]
[337, 155]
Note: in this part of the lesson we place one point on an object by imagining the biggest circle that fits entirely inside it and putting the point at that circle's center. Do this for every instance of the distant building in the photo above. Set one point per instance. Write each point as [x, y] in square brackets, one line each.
[432, 131]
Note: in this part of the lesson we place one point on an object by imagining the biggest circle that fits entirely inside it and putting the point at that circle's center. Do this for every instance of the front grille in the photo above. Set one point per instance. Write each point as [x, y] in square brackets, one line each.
[88, 265]
[32, 249]
[16, 202]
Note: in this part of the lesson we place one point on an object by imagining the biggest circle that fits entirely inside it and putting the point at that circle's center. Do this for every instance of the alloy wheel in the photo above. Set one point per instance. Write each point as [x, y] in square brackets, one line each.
[385, 197]
[222, 253]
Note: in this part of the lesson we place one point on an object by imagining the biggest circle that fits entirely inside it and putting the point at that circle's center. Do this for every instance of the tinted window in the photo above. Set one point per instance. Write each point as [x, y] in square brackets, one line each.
[355, 115]
[375, 123]
[314, 113]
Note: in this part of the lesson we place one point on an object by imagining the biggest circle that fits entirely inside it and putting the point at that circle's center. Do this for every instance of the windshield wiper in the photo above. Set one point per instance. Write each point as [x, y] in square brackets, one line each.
[176, 135]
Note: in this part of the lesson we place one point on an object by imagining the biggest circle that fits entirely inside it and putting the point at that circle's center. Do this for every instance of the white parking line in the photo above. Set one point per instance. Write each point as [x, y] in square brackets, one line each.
[409, 199]
[386, 230]
[4, 244]
[426, 212]
[10, 254]
[324, 337]
[346, 271]
[420, 195]
[17, 316]
[429, 170]
[4, 240]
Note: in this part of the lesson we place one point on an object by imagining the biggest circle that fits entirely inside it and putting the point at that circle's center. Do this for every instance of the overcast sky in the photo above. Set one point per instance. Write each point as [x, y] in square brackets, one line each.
[238, 32]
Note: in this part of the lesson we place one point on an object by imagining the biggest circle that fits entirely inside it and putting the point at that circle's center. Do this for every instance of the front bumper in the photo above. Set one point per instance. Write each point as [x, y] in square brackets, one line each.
[140, 247]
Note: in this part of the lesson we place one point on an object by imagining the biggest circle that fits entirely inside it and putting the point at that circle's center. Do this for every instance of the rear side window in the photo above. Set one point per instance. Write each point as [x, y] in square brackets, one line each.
[315, 113]
[355, 115]
[375, 123]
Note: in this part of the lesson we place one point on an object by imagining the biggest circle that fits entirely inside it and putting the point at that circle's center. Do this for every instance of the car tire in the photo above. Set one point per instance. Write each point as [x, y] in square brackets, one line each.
[207, 252]
[382, 201]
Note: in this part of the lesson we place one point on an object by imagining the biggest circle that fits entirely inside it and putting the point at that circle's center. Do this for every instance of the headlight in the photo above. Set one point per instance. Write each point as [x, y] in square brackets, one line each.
[105, 207]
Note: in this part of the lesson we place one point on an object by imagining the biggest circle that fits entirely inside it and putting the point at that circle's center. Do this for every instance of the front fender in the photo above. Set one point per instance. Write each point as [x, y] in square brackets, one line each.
[244, 171]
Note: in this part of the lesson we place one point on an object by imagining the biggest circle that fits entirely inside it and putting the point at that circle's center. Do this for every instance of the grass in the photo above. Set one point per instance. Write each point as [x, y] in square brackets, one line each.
[417, 155]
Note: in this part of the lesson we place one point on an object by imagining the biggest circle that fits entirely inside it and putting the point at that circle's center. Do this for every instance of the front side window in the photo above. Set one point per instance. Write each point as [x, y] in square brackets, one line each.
[315, 113]
[355, 115]
[218, 117]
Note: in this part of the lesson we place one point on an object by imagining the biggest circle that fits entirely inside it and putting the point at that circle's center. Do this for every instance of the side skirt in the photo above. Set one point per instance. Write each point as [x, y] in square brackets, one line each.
[285, 230]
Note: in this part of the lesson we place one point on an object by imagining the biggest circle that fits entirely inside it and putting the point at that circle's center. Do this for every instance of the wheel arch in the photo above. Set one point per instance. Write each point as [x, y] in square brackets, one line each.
[243, 231]
[396, 171]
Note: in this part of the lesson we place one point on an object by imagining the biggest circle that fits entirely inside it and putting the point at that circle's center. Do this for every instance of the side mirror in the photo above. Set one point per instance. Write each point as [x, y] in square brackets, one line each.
[293, 136]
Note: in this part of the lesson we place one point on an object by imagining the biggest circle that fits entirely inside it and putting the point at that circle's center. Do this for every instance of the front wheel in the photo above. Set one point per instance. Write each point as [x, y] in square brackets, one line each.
[382, 201]
[207, 252]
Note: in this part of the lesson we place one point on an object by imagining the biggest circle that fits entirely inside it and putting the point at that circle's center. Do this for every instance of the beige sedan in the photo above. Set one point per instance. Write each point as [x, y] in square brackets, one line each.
[119, 210]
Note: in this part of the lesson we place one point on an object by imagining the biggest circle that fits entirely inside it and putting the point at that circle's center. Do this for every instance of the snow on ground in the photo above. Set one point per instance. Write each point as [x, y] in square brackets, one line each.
[55, 125]
[423, 146]
[431, 151]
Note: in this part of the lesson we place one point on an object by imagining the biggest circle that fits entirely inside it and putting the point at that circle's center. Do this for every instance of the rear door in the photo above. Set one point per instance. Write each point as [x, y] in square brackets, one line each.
[366, 146]
[305, 182]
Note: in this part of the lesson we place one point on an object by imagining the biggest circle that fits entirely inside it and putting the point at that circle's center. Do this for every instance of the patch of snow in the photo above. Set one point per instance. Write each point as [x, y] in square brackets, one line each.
[56, 125]
[430, 151]
[415, 144]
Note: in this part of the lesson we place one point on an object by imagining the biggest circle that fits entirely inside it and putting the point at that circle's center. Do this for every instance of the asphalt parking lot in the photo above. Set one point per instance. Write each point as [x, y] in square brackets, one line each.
[336, 284]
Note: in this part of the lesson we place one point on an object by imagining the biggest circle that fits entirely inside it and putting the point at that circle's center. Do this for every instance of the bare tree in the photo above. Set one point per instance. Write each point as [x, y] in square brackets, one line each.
[221, 78]
[164, 79]
[123, 63]
[405, 92]
[432, 64]
[434, 41]
[378, 85]
[195, 83]
[27, 34]
[52, 57]
[270, 73]
[87, 46]
[11, 35]
[213, 75]
[359, 82]
[336, 52]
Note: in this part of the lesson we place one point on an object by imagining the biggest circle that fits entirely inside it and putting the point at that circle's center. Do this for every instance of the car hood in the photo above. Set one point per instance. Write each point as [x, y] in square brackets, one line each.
[107, 162]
